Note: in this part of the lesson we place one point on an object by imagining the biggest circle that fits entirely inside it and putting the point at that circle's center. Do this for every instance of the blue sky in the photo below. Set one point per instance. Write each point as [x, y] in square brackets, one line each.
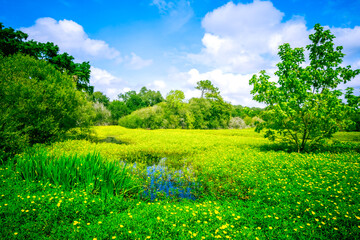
[172, 44]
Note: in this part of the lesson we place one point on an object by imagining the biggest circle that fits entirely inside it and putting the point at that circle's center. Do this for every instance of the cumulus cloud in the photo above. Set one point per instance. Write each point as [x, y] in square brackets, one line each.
[102, 77]
[107, 83]
[157, 85]
[349, 39]
[135, 62]
[71, 38]
[244, 38]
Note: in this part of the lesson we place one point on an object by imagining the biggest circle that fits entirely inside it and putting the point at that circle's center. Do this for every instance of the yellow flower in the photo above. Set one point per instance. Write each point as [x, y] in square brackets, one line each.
[130, 232]
[121, 226]
[15, 233]
[113, 237]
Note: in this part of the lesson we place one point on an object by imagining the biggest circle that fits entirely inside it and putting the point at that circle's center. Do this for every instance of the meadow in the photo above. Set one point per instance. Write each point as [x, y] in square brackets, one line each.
[181, 184]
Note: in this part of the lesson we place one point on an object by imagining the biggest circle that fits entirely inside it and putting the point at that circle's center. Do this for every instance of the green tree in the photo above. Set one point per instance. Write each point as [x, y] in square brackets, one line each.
[354, 103]
[150, 97]
[12, 42]
[206, 87]
[118, 110]
[99, 97]
[175, 99]
[38, 103]
[304, 106]
[220, 110]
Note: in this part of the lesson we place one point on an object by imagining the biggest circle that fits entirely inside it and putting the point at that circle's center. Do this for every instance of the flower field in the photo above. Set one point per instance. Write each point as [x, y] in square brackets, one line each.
[182, 184]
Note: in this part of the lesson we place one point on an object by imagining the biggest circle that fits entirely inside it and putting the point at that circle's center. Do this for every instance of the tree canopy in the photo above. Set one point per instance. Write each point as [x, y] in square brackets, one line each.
[14, 41]
[38, 103]
[304, 105]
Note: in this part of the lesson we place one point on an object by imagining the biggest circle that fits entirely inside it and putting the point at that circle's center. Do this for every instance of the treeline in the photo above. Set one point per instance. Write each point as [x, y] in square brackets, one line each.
[148, 109]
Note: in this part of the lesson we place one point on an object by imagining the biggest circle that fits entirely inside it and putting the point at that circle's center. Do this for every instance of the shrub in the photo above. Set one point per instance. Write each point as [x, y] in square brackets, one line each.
[38, 103]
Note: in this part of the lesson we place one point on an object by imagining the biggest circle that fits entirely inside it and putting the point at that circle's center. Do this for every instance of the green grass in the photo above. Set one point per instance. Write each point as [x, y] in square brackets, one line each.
[249, 188]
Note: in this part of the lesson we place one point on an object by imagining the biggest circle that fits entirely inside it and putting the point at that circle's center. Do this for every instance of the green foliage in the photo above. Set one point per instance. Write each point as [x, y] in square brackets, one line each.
[206, 87]
[304, 105]
[88, 172]
[354, 115]
[118, 109]
[200, 113]
[99, 97]
[102, 114]
[38, 103]
[174, 100]
[12, 42]
[148, 118]
[145, 98]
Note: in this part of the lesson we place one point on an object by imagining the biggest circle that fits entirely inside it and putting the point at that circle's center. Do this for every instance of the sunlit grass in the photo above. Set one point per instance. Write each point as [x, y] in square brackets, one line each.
[247, 189]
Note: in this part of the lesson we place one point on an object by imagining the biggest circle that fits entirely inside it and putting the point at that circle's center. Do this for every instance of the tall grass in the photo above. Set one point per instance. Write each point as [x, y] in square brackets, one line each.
[89, 172]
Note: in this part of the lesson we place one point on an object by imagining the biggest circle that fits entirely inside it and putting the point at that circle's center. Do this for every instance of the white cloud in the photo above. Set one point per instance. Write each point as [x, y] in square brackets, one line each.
[349, 39]
[159, 85]
[107, 83]
[244, 38]
[71, 38]
[101, 77]
[136, 62]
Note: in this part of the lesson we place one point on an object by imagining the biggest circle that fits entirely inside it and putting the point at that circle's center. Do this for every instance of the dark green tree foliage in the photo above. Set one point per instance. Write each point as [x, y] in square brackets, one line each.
[304, 105]
[145, 98]
[12, 42]
[354, 115]
[201, 110]
[38, 103]
[201, 113]
[150, 97]
[118, 110]
[99, 97]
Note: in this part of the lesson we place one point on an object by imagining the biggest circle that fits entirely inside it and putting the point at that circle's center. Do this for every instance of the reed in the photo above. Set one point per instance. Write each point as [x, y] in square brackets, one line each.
[89, 172]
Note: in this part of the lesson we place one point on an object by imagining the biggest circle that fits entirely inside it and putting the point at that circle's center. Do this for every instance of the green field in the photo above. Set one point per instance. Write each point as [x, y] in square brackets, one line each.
[242, 185]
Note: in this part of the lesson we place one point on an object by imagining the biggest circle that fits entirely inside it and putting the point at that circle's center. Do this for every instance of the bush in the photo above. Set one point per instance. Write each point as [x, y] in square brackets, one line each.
[38, 103]
[237, 123]
[102, 114]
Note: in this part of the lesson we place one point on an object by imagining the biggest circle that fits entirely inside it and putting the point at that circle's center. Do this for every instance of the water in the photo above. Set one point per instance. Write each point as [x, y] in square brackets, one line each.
[173, 185]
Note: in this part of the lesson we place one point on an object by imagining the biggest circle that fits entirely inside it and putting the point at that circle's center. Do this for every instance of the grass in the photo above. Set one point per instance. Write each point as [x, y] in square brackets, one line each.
[245, 188]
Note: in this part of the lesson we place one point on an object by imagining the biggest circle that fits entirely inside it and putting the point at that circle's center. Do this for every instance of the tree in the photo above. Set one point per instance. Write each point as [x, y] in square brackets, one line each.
[99, 97]
[150, 97]
[206, 87]
[12, 42]
[38, 103]
[175, 99]
[354, 104]
[118, 109]
[304, 106]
